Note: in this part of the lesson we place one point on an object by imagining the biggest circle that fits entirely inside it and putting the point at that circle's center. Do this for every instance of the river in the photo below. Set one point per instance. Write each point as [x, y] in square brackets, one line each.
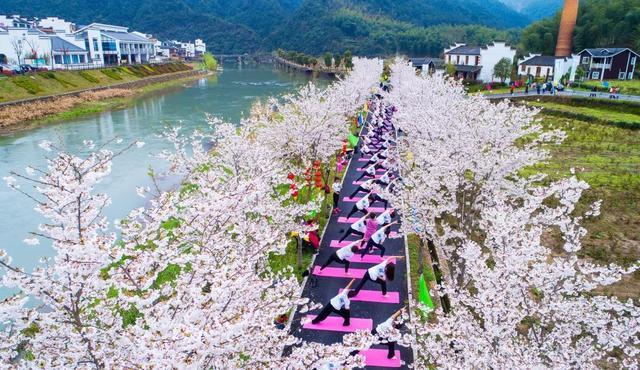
[228, 95]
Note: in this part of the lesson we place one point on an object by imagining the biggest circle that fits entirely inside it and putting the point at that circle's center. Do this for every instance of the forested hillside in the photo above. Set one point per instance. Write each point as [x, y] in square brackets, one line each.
[230, 26]
[376, 35]
[535, 9]
[600, 23]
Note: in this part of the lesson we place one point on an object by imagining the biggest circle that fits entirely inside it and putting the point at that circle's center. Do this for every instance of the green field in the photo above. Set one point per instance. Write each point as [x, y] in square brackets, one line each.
[629, 87]
[58, 82]
[607, 156]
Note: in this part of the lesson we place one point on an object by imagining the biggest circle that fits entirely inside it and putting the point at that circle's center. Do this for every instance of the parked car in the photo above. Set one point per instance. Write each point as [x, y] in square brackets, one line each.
[26, 68]
[6, 70]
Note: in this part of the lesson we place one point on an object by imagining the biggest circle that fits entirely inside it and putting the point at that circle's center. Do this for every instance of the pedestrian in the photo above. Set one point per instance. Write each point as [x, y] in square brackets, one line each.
[362, 205]
[337, 188]
[526, 89]
[339, 304]
[512, 88]
[377, 239]
[343, 255]
[538, 88]
[379, 274]
[358, 228]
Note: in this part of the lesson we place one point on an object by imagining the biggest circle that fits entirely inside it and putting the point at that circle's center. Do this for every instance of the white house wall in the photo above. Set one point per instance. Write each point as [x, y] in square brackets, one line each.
[42, 43]
[490, 56]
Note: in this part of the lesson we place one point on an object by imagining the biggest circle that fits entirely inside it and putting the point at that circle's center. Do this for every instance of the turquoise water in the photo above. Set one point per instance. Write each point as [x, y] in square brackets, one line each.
[228, 95]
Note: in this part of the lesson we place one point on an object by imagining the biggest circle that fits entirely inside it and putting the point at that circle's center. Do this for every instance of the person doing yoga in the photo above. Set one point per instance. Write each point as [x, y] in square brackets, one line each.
[339, 304]
[388, 333]
[380, 274]
[386, 217]
[369, 171]
[343, 254]
[365, 187]
[362, 205]
[377, 239]
[359, 227]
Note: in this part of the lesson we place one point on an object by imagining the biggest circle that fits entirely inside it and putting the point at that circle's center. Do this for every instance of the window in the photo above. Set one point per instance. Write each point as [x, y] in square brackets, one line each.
[477, 60]
[633, 61]
[66, 59]
[524, 68]
[622, 75]
[57, 59]
[95, 44]
[74, 59]
[595, 75]
[585, 60]
[466, 60]
[81, 58]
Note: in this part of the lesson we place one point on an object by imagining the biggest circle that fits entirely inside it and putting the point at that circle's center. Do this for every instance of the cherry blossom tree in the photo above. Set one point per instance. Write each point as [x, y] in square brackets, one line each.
[515, 300]
[68, 325]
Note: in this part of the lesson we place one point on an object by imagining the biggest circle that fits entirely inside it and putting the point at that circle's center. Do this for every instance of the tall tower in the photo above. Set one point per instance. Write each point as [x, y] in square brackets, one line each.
[567, 25]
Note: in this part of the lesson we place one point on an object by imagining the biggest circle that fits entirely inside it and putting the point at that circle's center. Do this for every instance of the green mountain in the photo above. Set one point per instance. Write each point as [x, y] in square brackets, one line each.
[601, 23]
[535, 9]
[232, 26]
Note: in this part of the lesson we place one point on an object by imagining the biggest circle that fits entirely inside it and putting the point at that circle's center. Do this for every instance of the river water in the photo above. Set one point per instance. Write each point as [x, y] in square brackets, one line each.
[228, 95]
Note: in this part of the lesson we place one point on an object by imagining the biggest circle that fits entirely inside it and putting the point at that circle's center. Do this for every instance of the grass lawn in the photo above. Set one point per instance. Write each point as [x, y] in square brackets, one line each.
[58, 82]
[608, 158]
[631, 87]
[600, 114]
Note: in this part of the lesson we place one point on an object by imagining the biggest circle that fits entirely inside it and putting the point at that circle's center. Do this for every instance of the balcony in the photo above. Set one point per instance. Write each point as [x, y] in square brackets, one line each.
[600, 66]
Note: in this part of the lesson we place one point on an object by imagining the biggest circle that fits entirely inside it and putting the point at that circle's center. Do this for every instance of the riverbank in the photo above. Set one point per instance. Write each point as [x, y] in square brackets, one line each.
[30, 114]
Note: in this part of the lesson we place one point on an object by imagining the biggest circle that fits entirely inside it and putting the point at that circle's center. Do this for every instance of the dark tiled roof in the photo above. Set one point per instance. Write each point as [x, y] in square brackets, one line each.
[605, 52]
[464, 68]
[422, 61]
[466, 50]
[541, 60]
[60, 45]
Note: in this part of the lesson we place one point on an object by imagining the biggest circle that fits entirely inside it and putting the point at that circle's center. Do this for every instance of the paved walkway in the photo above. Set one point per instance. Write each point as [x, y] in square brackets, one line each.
[566, 93]
[366, 315]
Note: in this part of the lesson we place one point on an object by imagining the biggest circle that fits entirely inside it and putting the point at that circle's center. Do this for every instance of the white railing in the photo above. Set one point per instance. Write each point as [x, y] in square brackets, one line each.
[600, 66]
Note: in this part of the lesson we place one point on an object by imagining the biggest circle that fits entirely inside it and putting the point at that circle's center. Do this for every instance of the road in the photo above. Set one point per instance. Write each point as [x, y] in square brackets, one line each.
[567, 93]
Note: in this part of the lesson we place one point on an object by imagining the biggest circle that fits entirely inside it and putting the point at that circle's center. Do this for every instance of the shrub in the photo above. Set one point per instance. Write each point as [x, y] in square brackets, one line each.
[209, 62]
[89, 77]
[28, 84]
[112, 73]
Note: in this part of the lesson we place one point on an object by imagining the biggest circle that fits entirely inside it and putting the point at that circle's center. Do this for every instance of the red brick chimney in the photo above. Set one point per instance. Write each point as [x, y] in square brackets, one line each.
[567, 25]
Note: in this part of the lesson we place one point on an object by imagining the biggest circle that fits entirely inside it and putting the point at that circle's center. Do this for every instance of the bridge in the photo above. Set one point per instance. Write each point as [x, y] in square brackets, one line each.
[292, 66]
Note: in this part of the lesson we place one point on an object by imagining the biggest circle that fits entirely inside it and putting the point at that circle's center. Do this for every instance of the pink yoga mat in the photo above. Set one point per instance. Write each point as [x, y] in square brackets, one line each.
[338, 244]
[339, 272]
[368, 258]
[334, 323]
[351, 200]
[350, 221]
[362, 181]
[378, 357]
[376, 297]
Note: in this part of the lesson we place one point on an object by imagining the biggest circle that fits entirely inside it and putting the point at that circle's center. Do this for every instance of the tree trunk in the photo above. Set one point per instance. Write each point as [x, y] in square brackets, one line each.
[299, 251]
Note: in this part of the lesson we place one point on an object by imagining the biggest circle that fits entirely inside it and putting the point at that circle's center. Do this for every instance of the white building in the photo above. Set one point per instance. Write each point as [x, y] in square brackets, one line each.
[115, 45]
[548, 68]
[57, 25]
[24, 46]
[201, 47]
[475, 62]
